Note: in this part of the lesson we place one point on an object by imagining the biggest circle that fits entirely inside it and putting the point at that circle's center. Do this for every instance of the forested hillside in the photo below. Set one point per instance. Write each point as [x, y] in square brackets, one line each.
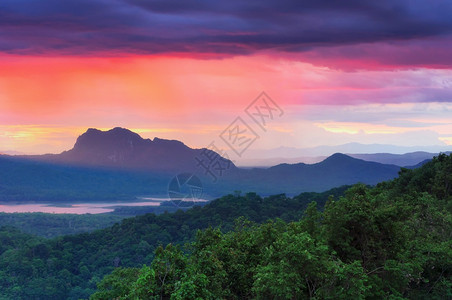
[392, 240]
[388, 242]
[69, 267]
[53, 225]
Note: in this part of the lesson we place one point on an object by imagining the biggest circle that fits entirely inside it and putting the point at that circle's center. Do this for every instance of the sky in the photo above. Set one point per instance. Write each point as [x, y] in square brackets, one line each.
[373, 72]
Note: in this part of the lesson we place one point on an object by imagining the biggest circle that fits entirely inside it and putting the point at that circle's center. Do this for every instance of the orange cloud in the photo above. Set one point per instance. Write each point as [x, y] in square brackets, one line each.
[193, 99]
[355, 128]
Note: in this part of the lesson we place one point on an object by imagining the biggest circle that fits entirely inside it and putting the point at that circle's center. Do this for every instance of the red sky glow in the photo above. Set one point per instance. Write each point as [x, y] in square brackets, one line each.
[386, 82]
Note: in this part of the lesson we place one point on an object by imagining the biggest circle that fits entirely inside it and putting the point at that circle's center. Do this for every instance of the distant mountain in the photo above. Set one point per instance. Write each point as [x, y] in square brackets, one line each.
[376, 148]
[268, 162]
[122, 148]
[356, 148]
[10, 152]
[336, 170]
[418, 165]
[119, 165]
[407, 159]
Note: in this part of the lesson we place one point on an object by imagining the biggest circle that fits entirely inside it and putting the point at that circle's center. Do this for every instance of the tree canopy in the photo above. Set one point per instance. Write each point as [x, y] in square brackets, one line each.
[388, 241]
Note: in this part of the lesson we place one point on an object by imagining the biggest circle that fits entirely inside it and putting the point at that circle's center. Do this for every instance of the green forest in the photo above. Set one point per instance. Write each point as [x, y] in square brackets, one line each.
[53, 225]
[390, 241]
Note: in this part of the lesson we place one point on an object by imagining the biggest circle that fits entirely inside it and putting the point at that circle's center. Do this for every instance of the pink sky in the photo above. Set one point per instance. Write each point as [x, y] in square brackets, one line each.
[368, 72]
[46, 102]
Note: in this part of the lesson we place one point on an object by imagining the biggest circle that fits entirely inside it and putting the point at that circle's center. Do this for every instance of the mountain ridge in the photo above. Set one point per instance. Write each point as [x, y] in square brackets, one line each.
[336, 170]
[119, 163]
[125, 149]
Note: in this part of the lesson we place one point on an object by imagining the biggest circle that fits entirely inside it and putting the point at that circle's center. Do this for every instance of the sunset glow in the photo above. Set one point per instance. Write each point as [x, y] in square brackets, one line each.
[190, 89]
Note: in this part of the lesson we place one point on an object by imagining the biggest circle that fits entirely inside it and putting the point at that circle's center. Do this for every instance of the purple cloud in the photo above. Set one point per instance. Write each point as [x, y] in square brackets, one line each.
[101, 27]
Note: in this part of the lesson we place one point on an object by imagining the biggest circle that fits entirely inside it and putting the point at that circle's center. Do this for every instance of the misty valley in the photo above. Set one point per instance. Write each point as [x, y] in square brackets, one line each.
[225, 150]
[355, 229]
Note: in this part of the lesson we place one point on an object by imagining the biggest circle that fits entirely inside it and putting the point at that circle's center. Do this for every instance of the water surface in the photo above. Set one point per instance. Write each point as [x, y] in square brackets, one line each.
[79, 208]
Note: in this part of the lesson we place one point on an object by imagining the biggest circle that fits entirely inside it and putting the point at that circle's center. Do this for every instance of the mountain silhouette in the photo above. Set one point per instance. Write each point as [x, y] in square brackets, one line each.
[119, 164]
[403, 160]
[336, 170]
[122, 148]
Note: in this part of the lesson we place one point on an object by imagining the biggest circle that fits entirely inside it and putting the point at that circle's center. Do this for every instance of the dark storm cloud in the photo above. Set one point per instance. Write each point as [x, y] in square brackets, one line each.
[83, 27]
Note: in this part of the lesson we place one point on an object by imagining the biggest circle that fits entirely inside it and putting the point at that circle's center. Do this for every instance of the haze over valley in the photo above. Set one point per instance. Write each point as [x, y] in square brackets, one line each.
[225, 150]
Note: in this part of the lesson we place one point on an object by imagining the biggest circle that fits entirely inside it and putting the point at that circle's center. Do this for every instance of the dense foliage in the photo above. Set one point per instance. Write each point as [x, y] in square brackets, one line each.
[50, 225]
[392, 241]
[53, 225]
[389, 241]
[69, 267]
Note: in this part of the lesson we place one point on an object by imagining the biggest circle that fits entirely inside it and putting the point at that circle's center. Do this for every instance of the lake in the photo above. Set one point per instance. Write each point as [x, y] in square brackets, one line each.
[80, 208]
